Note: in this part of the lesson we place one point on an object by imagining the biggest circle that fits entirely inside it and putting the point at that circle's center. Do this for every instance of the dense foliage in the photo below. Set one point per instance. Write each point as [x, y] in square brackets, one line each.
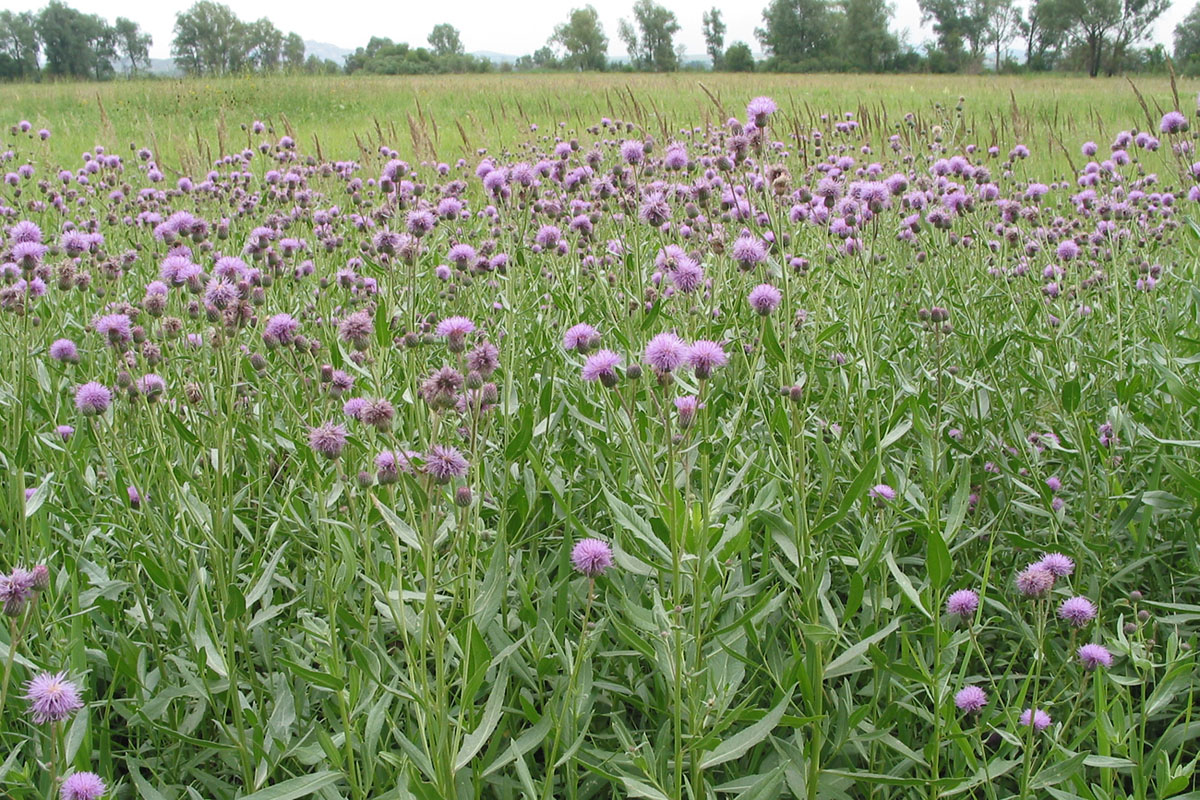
[801, 454]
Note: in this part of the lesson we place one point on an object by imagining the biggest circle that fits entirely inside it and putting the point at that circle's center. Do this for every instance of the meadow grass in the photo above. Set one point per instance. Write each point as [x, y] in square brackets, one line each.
[355, 509]
[422, 115]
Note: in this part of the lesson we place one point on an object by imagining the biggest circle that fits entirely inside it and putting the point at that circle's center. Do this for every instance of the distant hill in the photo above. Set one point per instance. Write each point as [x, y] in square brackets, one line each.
[496, 58]
[325, 50]
[165, 67]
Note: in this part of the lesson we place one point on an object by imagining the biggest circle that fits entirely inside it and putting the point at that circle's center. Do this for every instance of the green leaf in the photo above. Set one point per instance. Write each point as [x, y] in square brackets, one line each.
[851, 659]
[398, 526]
[906, 585]
[296, 787]
[487, 724]
[737, 745]
[1070, 395]
[520, 441]
[631, 521]
[858, 488]
[771, 343]
[39, 496]
[264, 581]
[1058, 772]
[637, 788]
[938, 560]
[12, 759]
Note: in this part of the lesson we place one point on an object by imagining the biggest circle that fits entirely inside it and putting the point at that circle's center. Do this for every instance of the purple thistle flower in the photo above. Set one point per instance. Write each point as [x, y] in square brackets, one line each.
[687, 406]
[705, 356]
[1173, 122]
[64, 350]
[962, 603]
[151, 385]
[1057, 564]
[328, 439]
[461, 254]
[1036, 717]
[390, 464]
[454, 330]
[970, 699]
[687, 275]
[1078, 611]
[65, 432]
[445, 463]
[356, 329]
[760, 109]
[666, 352]
[1067, 250]
[92, 398]
[440, 389]
[1035, 581]
[340, 382]
[52, 697]
[591, 557]
[28, 254]
[632, 151]
[82, 786]
[749, 250]
[18, 587]
[602, 366]
[881, 492]
[484, 359]
[765, 298]
[581, 338]
[117, 328]
[353, 407]
[1094, 655]
[378, 414]
[25, 232]
[280, 329]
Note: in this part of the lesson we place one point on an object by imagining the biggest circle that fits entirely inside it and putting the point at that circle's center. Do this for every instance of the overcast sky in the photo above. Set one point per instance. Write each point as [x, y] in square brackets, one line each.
[514, 28]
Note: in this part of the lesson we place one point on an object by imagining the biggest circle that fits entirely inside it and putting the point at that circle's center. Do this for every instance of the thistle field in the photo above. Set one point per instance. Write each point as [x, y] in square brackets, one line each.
[611, 436]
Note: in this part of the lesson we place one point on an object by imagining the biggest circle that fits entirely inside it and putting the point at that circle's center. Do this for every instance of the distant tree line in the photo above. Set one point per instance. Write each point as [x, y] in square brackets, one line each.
[445, 54]
[61, 42]
[1093, 36]
[210, 39]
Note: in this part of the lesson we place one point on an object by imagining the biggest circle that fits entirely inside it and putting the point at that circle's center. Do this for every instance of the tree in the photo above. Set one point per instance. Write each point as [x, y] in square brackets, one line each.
[209, 39]
[1046, 30]
[651, 45]
[263, 43]
[444, 39]
[1003, 24]
[544, 58]
[714, 36]
[1187, 37]
[738, 58]
[866, 43]
[960, 27]
[797, 34]
[293, 55]
[132, 45]
[19, 45]
[583, 39]
[77, 45]
[1094, 20]
[1133, 26]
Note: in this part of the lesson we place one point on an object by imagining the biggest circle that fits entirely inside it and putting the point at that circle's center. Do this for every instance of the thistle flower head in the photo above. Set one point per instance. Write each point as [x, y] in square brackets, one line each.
[591, 557]
[970, 699]
[52, 697]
